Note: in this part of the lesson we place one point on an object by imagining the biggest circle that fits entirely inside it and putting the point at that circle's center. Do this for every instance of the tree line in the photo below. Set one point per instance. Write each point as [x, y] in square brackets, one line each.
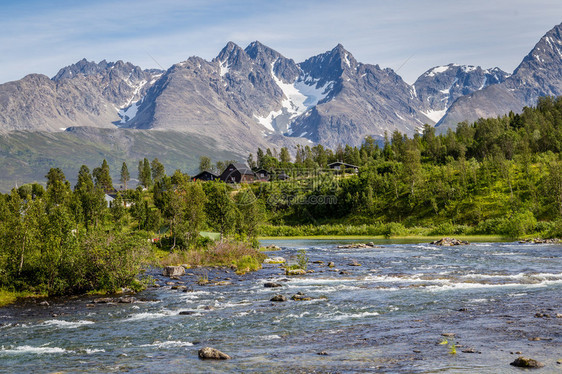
[502, 175]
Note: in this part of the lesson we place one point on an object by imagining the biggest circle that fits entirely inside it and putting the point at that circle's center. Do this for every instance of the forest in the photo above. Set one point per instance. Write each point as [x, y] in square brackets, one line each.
[500, 176]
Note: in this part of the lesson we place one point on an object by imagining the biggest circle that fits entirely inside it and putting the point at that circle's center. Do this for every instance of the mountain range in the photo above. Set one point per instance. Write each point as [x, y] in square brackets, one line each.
[255, 97]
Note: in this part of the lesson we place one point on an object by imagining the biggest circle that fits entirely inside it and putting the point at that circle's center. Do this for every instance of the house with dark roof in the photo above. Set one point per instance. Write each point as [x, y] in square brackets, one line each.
[342, 166]
[205, 176]
[237, 173]
[262, 175]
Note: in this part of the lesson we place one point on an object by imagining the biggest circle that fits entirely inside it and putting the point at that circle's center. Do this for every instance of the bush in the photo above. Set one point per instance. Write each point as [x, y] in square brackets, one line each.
[394, 229]
[519, 224]
[555, 230]
[241, 255]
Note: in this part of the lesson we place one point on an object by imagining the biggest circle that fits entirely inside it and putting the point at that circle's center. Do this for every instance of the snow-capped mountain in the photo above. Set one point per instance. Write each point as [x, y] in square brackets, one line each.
[539, 74]
[440, 86]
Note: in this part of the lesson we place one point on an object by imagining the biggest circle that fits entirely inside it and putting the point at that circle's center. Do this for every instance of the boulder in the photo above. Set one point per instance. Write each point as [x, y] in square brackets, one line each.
[299, 296]
[271, 247]
[186, 312]
[126, 300]
[173, 271]
[331, 264]
[295, 272]
[103, 300]
[212, 354]
[449, 242]
[524, 362]
[354, 263]
[278, 298]
[274, 260]
[272, 285]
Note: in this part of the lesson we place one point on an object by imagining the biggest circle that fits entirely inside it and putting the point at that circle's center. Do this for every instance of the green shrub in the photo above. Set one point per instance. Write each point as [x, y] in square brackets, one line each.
[394, 229]
[519, 224]
[556, 229]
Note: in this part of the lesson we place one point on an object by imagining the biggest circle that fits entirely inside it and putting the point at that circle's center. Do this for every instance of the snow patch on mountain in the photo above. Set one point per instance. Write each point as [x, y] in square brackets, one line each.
[128, 111]
[437, 70]
[298, 97]
[435, 115]
[224, 68]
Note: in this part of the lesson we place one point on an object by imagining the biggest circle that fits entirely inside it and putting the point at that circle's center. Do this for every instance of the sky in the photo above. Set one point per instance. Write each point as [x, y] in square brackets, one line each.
[409, 36]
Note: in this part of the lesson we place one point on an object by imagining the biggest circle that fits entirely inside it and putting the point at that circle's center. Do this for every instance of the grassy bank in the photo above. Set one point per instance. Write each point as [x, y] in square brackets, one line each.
[10, 297]
[237, 255]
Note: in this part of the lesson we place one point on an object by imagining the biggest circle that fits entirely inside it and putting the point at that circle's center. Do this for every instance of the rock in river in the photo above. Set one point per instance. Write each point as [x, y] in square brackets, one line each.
[173, 271]
[449, 242]
[274, 260]
[272, 285]
[278, 298]
[295, 272]
[524, 362]
[213, 354]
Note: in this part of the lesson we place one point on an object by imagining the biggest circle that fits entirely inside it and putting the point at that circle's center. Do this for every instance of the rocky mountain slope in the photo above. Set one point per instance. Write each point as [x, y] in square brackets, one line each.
[539, 74]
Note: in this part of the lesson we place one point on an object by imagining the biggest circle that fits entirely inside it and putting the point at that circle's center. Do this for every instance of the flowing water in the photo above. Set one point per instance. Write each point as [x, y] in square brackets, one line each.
[387, 315]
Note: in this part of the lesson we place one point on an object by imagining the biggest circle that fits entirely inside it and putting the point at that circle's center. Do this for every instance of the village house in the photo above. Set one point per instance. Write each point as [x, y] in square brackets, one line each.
[237, 173]
[205, 176]
[342, 166]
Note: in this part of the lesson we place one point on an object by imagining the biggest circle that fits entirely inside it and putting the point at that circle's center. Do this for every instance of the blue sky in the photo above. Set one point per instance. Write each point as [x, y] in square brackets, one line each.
[410, 36]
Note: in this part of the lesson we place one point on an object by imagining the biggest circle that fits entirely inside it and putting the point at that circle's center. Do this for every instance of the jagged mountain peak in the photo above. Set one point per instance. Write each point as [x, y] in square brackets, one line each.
[331, 65]
[230, 52]
[88, 68]
[257, 48]
[345, 58]
[545, 54]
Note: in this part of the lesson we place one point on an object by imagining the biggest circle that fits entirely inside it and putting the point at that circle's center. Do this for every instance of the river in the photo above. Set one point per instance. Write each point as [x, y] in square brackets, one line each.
[395, 313]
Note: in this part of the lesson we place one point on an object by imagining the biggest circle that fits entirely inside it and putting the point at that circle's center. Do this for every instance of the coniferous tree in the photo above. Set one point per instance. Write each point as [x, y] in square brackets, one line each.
[205, 164]
[102, 177]
[125, 176]
[285, 156]
[145, 173]
[58, 188]
[157, 169]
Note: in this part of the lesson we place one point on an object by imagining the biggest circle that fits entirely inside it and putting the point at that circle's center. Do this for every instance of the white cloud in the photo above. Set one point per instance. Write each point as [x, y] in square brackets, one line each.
[432, 32]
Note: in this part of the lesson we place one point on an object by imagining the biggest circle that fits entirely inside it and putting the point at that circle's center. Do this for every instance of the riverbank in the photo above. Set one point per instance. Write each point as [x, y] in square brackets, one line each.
[383, 239]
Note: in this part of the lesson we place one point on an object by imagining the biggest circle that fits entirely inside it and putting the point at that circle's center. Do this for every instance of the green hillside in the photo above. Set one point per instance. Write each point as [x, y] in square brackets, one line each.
[26, 157]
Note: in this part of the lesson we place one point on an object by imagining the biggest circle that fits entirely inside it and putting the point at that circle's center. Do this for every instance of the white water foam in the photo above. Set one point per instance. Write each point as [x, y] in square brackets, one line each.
[338, 316]
[168, 344]
[27, 349]
[93, 350]
[66, 324]
[270, 337]
[148, 315]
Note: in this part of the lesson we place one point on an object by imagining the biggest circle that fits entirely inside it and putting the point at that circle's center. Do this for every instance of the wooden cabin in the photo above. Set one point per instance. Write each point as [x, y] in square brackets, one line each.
[262, 175]
[205, 176]
[342, 166]
[237, 173]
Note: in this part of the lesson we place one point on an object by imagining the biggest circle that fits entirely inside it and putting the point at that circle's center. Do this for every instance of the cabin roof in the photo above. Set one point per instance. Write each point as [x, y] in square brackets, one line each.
[243, 169]
[337, 163]
[205, 172]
